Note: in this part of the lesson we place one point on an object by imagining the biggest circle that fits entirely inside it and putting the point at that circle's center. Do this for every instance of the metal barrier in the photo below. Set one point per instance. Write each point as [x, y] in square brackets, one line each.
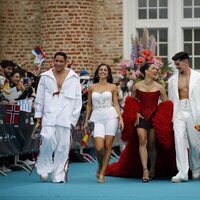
[15, 139]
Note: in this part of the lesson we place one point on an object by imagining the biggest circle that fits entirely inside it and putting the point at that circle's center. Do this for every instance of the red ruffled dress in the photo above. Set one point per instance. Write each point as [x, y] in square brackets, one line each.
[129, 164]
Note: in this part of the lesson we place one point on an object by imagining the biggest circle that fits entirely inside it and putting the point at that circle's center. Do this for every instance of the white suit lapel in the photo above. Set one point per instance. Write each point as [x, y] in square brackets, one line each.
[192, 82]
[175, 84]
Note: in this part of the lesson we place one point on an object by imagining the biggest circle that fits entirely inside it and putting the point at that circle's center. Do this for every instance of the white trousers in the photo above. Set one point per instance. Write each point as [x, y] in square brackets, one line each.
[54, 139]
[186, 137]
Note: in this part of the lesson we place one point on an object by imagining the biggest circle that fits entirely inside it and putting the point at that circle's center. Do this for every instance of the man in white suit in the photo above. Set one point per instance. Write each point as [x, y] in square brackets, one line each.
[184, 92]
[57, 107]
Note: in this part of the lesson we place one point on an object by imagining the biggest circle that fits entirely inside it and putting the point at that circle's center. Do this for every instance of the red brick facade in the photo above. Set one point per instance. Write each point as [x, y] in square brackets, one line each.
[89, 31]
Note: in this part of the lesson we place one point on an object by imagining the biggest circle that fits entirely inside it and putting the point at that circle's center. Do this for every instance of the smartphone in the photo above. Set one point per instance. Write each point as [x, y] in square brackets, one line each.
[25, 81]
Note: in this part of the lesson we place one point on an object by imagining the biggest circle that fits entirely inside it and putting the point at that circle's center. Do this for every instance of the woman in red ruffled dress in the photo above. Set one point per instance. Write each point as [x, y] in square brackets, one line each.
[148, 130]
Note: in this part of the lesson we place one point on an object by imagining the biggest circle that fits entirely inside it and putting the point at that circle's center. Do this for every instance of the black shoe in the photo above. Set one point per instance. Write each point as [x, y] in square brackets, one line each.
[151, 177]
[145, 180]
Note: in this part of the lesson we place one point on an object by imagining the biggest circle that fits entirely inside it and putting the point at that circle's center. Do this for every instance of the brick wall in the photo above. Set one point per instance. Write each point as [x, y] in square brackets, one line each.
[19, 30]
[69, 26]
[108, 31]
[89, 31]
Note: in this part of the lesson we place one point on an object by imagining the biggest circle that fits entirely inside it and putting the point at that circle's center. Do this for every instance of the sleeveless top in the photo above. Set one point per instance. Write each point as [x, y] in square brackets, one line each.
[148, 103]
[103, 108]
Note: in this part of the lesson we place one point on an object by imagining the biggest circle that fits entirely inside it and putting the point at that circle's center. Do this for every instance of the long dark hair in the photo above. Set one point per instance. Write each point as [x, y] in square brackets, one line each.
[96, 76]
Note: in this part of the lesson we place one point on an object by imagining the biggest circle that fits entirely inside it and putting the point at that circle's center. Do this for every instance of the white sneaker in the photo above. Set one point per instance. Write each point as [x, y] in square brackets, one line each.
[44, 177]
[178, 178]
[57, 181]
[195, 176]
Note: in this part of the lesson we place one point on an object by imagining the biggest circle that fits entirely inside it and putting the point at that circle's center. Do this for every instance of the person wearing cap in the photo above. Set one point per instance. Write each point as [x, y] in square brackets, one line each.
[184, 91]
[84, 72]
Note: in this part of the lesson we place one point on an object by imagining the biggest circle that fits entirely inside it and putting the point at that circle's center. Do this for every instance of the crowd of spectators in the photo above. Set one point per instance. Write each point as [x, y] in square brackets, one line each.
[15, 84]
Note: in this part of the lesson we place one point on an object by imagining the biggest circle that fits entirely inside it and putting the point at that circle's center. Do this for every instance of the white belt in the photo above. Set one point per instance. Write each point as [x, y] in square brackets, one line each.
[184, 104]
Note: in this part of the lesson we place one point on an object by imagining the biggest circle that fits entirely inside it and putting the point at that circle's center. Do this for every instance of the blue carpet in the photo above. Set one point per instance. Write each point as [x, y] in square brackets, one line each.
[82, 185]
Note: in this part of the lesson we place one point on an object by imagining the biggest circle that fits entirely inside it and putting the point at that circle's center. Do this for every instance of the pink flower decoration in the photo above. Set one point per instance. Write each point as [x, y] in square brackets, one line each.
[122, 71]
[138, 73]
[126, 64]
[163, 75]
[157, 62]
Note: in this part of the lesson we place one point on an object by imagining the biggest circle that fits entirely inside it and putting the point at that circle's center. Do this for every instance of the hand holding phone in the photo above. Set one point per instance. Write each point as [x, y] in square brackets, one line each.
[25, 81]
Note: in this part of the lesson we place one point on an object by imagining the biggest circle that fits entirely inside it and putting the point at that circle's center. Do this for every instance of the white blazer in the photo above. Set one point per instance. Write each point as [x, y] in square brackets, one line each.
[63, 110]
[194, 94]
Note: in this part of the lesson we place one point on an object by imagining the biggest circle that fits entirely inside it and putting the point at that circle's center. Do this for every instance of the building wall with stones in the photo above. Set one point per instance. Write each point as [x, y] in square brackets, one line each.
[89, 31]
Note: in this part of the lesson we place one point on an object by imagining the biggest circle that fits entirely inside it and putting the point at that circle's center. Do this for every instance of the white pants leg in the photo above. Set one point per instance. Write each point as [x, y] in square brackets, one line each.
[44, 163]
[186, 134]
[181, 145]
[61, 154]
[55, 139]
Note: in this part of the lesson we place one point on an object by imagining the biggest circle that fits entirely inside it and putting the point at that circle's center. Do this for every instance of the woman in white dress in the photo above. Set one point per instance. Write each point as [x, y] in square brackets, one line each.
[103, 109]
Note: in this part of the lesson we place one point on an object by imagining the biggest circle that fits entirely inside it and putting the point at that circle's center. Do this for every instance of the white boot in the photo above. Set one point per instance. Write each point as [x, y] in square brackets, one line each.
[44, 177]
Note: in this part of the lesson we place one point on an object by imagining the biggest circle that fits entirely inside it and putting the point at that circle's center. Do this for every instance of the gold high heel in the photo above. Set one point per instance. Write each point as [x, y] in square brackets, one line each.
[98, 173]
[101, 178]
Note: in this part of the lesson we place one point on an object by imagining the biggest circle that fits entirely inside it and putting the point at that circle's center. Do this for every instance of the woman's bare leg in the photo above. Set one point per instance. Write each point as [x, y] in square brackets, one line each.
[152, 152]
[142, 136]
[99, 147]
[108, 143]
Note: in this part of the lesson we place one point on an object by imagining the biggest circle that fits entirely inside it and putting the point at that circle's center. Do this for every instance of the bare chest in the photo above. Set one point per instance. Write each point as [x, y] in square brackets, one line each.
[183, 82]
[60, 80]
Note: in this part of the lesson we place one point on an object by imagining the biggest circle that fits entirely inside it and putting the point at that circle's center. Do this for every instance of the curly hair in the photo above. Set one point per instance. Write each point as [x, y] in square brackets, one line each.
[96, 76]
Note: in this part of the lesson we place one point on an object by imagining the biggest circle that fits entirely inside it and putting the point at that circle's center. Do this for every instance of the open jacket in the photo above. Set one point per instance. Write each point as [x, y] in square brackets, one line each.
[194, 94]
[62, 111]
